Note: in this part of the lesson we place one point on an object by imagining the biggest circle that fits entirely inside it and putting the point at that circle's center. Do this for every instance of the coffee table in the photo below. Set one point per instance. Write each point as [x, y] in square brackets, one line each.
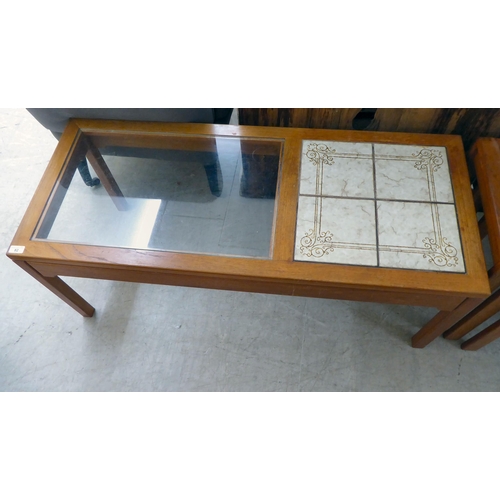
[366, 216]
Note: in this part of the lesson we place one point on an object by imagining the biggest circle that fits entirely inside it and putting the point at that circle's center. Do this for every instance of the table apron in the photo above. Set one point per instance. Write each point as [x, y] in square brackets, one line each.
[251, 284]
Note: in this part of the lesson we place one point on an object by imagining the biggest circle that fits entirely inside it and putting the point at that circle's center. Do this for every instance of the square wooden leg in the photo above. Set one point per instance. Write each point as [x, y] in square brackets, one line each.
[483, 338]
[61, 289]
[442, 322]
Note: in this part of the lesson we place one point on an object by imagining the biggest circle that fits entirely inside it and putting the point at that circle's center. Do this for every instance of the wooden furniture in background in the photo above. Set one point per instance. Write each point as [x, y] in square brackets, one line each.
[484, 312]
[469, 123]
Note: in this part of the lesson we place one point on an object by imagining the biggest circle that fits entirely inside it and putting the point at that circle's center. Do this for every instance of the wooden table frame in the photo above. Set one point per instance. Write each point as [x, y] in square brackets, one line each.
[280, 274]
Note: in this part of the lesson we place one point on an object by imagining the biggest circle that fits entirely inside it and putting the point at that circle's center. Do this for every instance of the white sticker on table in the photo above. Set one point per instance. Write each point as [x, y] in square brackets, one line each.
[16, 249]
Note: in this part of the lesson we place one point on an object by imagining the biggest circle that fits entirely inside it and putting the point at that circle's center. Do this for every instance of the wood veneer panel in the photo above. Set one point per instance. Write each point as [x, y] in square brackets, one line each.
[464, 203]
[486, 157]
[255, 285]
[48, 184]
[288, 196]
[447, 284]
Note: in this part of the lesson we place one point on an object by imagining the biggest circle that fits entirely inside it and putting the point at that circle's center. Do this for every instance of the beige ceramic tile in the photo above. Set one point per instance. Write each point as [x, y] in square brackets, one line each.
[337, 169]
[412, 173]
[334, 230]
[333, 226]
[349, 177]
[398, 180]
[419, 236]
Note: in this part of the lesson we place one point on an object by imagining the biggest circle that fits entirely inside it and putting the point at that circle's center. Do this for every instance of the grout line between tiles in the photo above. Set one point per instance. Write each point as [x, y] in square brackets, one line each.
[375, 202]
[379, 199]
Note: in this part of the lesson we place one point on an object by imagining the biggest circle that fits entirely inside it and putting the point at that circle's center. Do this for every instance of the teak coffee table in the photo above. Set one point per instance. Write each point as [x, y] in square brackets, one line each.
[367, 216]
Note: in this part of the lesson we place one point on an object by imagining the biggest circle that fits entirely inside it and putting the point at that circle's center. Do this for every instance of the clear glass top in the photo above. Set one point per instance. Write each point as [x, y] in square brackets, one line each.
[211, 195]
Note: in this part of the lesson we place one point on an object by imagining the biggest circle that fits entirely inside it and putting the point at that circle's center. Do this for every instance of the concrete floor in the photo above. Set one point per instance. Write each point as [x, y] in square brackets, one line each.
[160, 338]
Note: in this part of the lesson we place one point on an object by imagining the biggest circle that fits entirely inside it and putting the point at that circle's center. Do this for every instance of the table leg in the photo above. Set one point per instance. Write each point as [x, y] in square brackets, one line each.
[442, 322]
[85, 174]
[106, 177]
[483, 338]
[214, 177]
[479, 315]
[61, 289]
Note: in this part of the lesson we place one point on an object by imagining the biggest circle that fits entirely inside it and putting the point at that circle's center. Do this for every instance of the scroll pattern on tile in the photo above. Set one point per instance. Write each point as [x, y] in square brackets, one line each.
[318, 241]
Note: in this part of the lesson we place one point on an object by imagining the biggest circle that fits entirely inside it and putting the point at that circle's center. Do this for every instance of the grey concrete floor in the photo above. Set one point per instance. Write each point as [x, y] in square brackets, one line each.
[161, 338]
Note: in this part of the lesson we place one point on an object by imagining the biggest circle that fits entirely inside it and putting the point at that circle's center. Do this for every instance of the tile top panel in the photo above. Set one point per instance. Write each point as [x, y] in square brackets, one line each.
[381, 205]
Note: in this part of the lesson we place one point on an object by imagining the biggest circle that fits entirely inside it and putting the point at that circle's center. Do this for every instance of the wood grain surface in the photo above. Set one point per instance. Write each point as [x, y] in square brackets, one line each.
[469, 123]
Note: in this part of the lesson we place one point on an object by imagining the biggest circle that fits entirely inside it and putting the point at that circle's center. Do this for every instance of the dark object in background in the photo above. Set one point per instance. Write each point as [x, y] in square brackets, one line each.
[56, 119]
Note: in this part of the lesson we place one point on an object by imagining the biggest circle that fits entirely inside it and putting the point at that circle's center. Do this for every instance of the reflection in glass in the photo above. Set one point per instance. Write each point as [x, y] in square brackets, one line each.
[197, 195]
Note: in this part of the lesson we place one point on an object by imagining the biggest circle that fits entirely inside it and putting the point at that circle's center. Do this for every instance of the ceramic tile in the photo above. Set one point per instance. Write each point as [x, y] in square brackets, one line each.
[336, 230]
[354, 149]
[414, 224]
[413, 173]
[346, 169]
[428, 239]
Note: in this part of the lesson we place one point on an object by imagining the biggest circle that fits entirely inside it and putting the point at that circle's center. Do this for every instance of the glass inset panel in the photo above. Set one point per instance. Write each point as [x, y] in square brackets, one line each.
[211, 195]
